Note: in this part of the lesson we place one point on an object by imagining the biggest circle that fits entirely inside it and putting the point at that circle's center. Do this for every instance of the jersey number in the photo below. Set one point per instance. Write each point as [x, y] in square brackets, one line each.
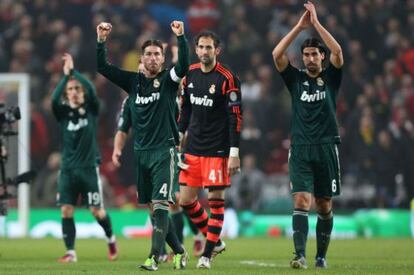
[94, 198]
[163, 190]
[334, 186]
[212, 176]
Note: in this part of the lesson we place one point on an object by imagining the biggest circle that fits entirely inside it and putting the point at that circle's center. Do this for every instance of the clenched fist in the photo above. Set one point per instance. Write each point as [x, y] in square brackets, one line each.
[102, 31]
[177, 27]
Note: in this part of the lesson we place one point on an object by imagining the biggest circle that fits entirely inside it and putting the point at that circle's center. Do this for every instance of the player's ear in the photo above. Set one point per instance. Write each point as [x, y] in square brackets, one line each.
[322, 56]
[218, 51]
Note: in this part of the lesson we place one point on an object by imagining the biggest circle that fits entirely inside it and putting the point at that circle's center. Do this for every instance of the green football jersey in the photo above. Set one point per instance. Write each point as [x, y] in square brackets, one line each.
[313, 105]
[152, 100]
[78, 126]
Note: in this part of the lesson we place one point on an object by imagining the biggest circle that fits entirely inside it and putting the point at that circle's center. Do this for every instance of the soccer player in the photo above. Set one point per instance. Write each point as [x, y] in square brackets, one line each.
[75, 106]
[153, 107]
[212, 116]
[313, 161]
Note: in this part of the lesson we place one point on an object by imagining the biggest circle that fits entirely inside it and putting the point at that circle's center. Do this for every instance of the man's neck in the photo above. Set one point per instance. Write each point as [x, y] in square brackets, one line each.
[74, 105]
[313, 74]
[208, 68]
[151, 75]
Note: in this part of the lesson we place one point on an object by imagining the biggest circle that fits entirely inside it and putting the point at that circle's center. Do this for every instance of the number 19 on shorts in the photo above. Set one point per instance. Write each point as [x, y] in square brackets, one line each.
[94, 198]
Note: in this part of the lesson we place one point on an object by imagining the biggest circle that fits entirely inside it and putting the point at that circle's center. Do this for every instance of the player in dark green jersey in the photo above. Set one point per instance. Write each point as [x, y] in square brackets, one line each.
[153, 108]
[313, 158]
[75, 106]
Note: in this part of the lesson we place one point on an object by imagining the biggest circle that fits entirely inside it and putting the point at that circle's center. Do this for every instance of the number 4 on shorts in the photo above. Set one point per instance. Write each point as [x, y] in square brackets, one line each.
[163, 190]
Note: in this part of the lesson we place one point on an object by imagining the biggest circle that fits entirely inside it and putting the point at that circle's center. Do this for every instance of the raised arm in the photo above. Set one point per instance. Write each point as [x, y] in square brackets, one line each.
[183, 62]
[279, 56]
[336, 57]
[57, 96]
[119, 77]
[60, 88]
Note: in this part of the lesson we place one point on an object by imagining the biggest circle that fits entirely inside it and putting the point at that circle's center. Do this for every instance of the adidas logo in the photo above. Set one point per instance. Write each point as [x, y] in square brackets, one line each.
[191, 85]
[306, 83]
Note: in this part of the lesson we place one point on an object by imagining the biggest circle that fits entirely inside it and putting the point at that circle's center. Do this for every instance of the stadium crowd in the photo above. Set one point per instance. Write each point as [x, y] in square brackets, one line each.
[375, 106]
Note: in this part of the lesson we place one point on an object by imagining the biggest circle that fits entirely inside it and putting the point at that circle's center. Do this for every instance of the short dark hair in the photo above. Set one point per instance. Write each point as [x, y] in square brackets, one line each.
[314, 43]
[212, 35]
[152, 42]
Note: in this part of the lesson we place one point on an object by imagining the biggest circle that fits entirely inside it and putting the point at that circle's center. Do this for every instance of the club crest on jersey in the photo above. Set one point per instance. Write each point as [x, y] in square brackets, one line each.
[81, 111]
[212, 89]
[318, 95]
[319, 81]
[156, 83]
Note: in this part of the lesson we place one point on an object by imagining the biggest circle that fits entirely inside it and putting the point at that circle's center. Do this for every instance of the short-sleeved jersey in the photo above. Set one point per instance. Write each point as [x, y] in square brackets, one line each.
[152, 100]
[313, 105]
[211, 111]
[78, 126]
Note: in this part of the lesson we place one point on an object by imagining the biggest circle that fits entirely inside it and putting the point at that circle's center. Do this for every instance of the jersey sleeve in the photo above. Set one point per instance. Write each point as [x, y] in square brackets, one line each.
[185, 113]
[125, 121]
[233, 94]
[121, 78]
[180, 69]
[90, 91]
[289, 75]
[334, 76]
[57, 103]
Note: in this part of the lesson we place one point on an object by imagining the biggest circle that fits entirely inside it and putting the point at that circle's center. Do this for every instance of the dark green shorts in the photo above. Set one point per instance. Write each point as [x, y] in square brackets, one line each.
[157, 175]
[315, 169]
[80, 181]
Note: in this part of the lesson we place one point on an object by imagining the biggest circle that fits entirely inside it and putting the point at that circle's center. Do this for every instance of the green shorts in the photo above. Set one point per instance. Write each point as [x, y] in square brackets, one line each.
[315, 169]
[80, 181]
[157, 175]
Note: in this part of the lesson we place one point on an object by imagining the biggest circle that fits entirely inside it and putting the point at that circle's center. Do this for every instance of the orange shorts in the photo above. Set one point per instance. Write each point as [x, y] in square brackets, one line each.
[205, 172]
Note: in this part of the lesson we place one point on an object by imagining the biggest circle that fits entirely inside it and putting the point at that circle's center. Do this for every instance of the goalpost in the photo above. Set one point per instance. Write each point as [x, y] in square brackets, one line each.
[15, 91]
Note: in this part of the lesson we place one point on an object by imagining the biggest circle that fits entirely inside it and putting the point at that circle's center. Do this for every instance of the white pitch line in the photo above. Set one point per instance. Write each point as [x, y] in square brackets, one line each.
[256, 263]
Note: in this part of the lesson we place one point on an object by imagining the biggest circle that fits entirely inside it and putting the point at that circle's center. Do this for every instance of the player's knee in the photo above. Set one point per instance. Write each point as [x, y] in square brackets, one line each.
[175, 208]
[302, 201]
[323, 205]
[67, 211]
[186, 200]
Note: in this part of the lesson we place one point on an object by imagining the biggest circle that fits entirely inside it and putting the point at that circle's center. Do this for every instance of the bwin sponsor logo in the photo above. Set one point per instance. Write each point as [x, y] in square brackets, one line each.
[83, 122]
[147, 99]
[204, 101]
[313, 97]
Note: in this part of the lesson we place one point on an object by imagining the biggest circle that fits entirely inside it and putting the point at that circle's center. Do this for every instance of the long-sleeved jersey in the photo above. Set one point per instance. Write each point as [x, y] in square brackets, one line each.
[78, 126]
[152, 100]
[211, 111]
[313, 105]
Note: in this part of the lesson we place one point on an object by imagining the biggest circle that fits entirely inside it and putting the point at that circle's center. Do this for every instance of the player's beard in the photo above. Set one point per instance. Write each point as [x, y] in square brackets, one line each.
[152, 68]
[206, 60]
[313, 68]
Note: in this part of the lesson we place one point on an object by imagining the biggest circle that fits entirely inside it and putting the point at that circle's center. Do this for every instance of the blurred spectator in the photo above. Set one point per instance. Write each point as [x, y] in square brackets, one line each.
[246, 190]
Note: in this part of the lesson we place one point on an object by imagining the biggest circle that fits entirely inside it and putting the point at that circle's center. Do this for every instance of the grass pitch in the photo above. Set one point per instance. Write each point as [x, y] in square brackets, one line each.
[243, 256]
